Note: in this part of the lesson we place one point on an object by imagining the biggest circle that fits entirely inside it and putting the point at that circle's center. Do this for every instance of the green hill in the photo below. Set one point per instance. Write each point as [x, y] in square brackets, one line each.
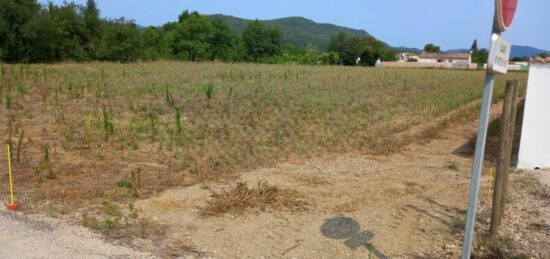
[298, 31]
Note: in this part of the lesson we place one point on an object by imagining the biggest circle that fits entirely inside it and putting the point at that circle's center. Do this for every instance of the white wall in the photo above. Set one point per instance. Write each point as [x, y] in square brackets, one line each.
[535, 137]
[444, 60]
[427, 60]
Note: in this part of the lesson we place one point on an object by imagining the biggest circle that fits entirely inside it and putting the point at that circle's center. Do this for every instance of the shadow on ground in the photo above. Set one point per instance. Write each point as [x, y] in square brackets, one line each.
[493, 138]
[343, 228]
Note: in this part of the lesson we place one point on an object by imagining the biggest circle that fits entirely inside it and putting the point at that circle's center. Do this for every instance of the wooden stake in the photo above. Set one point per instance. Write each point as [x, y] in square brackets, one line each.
[510, 144]
[502, 162]
[136, 181]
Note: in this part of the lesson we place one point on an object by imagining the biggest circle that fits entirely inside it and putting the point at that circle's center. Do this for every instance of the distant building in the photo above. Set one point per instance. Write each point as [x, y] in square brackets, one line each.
[450, 58]
[433, 60]
[518, 66]
[407, 56]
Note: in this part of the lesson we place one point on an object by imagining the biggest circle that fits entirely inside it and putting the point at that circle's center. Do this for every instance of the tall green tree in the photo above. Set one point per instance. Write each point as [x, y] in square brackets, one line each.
[474, 47]
[480, 56]
[274, 38]
[338, 43]
[430, 47]
[190, 36]
[261, 42]
[374, 50]
[44, 46]
[349, 49]
[222, 41]
[155, 43]
[120, 41]
[367, 50]
[93, 26]
[15, 18]
[71, 31]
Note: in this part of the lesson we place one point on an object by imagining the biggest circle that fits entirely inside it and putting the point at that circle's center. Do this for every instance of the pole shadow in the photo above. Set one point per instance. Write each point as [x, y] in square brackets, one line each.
[348, 229]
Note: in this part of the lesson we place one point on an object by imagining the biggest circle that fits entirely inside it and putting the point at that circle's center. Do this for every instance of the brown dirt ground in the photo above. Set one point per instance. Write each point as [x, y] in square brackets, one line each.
[405, 205]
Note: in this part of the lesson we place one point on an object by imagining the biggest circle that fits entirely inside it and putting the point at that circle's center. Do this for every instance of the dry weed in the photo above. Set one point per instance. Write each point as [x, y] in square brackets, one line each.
[264, 197]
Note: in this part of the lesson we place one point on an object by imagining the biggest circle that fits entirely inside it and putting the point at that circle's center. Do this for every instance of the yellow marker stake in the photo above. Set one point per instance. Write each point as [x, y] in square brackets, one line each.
[9, 172]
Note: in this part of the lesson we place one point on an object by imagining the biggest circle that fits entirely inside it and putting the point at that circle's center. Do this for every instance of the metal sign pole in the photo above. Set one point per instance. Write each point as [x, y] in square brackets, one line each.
[497, 62]
[478, 160]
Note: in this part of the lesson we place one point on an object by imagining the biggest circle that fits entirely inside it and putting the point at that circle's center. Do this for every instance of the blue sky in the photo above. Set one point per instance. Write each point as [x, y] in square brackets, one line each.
[450, 24]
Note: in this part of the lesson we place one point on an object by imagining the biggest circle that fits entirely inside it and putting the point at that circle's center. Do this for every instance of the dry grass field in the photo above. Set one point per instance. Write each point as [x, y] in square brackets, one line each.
[90, 140]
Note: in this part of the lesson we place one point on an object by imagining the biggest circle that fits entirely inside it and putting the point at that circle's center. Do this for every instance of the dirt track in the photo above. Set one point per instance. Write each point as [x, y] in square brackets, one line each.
[40, 237]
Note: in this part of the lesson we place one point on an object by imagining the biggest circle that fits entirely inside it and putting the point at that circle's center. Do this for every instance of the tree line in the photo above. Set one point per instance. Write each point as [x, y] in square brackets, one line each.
[31, 32]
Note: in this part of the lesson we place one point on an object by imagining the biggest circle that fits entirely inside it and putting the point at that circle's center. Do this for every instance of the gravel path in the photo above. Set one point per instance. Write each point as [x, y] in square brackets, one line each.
[32, 236]
[544, 178]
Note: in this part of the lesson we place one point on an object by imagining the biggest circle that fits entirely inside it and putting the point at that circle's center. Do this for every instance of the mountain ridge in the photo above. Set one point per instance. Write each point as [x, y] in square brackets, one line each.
[297, 30]
[300, 31]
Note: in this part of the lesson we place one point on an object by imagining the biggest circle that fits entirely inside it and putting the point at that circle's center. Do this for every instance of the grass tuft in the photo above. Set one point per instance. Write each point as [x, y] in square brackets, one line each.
[209, 91]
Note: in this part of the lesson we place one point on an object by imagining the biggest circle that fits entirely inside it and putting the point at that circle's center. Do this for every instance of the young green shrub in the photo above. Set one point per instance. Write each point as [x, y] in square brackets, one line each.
[110, 224]
[179, 126]
[70, 87]
[168, 96]
[133, 211]
[97, 93]
[45, 165]
[8, 101]
[20, 143]
[88, 131]
[154, 119]
[209, 91]
[21, 89]
[9, 132]
[108, 124]
[132, 133]
[90, 222]
[230, 93]
[124, 184]
[112, 209]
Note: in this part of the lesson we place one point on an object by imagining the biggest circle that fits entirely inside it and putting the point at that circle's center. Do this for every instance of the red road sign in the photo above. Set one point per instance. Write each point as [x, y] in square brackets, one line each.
[505, 12]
